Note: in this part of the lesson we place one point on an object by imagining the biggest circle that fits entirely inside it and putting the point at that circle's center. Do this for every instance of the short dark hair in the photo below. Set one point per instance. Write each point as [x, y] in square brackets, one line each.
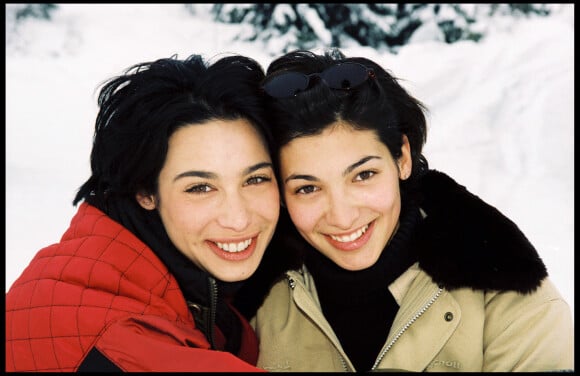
[140, 109]
[380, 104]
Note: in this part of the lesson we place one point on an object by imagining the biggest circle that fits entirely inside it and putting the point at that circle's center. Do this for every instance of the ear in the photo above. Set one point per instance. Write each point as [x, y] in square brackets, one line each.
[405, 162]
[146, 201]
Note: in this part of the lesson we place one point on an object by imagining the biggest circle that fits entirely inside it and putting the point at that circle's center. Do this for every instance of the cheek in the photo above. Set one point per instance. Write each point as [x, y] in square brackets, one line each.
[305, 216]
[267, 204]
[383, 201]
[183, 218]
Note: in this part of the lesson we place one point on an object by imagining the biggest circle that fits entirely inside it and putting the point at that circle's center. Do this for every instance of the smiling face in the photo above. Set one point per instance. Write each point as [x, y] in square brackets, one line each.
[218, 197]
[341, 189]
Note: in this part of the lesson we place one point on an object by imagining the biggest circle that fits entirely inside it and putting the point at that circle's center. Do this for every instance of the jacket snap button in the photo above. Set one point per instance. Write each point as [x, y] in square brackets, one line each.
[448, 316]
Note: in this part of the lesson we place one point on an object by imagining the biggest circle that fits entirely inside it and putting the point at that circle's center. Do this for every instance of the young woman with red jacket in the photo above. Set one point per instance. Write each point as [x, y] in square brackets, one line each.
[180, 207]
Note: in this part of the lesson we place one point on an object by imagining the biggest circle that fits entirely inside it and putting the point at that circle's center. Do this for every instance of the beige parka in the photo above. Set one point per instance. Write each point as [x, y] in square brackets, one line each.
[478, 299]
[435, 329]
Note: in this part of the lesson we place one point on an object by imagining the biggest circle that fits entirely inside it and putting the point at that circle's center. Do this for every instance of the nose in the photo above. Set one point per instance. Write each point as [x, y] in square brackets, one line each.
[342, 211]
[235, 212]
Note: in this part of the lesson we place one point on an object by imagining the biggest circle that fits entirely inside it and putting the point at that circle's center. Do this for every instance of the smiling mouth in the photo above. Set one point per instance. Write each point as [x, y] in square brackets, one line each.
[353, 241]
[352, 236]
[234, 247]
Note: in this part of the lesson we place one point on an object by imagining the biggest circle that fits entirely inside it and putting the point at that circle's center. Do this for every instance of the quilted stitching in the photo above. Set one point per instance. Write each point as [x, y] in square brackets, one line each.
[98, 273]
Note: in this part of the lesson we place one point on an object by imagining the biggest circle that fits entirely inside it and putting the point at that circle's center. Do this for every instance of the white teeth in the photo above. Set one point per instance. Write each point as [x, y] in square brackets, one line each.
[349, 238]
[234, 247]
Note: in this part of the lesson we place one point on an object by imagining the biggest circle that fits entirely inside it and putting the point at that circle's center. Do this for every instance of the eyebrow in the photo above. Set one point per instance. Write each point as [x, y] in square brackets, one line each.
[258, 166]
[360, 162]
[348, 170]
[300, 177]
[213, 175]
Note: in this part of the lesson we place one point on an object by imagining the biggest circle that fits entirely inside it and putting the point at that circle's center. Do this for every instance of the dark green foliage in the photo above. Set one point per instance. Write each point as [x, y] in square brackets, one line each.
[42, 11]
[389, 26]
[18, 15]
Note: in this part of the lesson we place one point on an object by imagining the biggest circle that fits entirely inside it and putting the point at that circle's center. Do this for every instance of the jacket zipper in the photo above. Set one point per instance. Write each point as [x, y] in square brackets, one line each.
[213, 295]
[346, 369]
[404, 329]
[205, 316]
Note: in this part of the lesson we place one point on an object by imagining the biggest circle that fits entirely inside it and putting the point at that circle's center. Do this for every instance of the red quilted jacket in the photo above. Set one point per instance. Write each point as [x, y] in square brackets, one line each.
[102, 288]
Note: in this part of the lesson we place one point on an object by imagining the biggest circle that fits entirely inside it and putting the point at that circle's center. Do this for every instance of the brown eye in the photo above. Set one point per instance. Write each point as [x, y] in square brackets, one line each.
[257, 180]
[307, 189]
[199, 188]
[365, 175]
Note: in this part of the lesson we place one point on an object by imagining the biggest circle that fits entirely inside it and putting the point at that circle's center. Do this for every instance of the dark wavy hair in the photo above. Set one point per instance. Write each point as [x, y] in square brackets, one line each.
[380, 104]
[140, 109]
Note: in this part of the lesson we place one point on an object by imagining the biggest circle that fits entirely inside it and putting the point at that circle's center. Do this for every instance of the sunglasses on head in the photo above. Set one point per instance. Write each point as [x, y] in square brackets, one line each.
[342, 76]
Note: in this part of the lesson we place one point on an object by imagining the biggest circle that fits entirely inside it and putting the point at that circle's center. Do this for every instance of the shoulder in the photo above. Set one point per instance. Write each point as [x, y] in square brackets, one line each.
[277, 300]
[97, 253]
[545, 299]
[279, 304]
[528, 332]
[465, 242]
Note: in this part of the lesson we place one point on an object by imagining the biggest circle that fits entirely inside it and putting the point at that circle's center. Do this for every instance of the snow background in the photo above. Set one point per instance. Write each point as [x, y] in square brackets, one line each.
[501, 116]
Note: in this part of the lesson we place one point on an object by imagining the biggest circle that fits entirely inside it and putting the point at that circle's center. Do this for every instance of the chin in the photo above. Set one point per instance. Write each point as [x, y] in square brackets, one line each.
[235, 275]
[355, 265]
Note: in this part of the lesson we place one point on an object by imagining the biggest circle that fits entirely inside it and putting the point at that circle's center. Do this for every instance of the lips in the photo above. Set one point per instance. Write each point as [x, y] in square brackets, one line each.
[233, 250]
[353, 240]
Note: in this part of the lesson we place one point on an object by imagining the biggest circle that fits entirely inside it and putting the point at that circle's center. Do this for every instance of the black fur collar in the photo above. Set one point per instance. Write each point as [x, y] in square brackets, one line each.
[465, 242]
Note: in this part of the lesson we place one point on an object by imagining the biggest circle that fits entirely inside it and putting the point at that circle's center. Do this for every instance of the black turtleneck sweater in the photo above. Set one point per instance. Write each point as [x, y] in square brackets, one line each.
[358, 304]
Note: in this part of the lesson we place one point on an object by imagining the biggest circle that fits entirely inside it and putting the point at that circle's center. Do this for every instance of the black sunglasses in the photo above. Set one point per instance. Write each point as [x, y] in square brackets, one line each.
[343, 76]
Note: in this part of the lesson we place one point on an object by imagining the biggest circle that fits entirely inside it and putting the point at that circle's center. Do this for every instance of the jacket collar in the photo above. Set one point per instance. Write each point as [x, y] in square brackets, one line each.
[465, 242]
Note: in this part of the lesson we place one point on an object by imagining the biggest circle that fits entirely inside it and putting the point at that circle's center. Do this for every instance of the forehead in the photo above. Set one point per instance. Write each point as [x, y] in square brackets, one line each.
[338, 145]
[212, 133]
[336, 134]
[216, 141]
